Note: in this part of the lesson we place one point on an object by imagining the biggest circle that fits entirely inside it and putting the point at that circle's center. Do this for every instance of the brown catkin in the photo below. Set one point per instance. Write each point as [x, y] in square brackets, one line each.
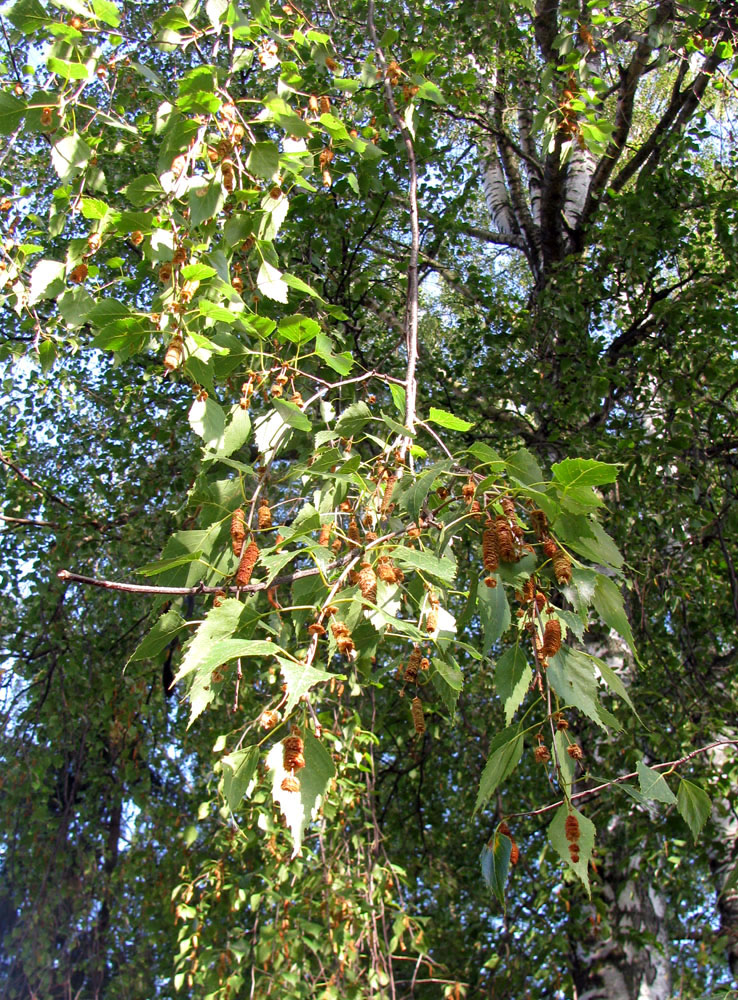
[341, 634]
[551, 638]
[416, 707]
[387, 571]
[514, 852]
[413, 665]
[539, 521]
[249, 558]
[490, 548]
[561, 566]
[575, 751]
[264, 514]
[293, 758]
[431, 622]
[550, 548]
[238, 531]
[505, 540]
[269, 718]
[529, 590]
[541, 755]
[175, 353]
[368, 582]
[571, 828]
[353, 531]
[387, 498]
[325, 534]
[290, 784]
[468, 490]
[508, 506]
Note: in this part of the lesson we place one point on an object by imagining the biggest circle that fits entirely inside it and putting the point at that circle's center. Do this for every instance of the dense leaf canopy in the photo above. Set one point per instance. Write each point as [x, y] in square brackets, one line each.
[370, 456]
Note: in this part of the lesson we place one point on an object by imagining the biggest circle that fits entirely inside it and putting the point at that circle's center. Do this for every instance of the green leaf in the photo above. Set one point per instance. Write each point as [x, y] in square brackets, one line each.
[107, 12]
[236, 434]
[197, 272]
[614, 683]
[69, 156]
[292, 415]
[443, 567]
[448, 680]
[523, 467]
[445, 419]
[576, 472]
[353, 419]
[263, 160]
[506, 751]
[270, 283]
[486, 455]
[238, 770]
[164, 630]
[207, 420]
[512, 680]
[413, 498]
[653, 785]
[560, 843]
[298, 329]
[341, 363]
[220, 623]
[299, 678]
[28, 16]
[299, 808]
[609, 604]
[11, 113]
[494, 612]
[495, 861]
[571, 674]
[47, 281]
[694, 806]
[143, 190]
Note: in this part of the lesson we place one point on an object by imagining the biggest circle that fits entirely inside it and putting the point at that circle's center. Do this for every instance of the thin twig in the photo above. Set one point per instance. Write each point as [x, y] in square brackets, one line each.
[624, 777]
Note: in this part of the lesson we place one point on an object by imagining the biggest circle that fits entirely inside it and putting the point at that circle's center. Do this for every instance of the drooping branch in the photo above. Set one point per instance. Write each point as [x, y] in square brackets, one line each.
[411, 307]
[625, 777]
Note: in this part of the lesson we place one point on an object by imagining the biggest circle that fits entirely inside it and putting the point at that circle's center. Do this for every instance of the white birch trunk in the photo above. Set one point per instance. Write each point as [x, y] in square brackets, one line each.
[579, 173]
[495, 190]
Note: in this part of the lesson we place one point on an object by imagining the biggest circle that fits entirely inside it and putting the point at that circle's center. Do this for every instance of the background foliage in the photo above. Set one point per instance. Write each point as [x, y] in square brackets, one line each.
[440, 299]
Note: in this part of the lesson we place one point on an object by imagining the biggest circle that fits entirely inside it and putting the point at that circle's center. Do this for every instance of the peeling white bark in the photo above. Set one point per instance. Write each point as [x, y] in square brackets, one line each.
[579, 173]
[495, 191]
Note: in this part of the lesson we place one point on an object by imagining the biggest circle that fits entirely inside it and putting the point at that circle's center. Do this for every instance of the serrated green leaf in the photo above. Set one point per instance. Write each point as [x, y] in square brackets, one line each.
[523, 467]
[448, 680]
[164, 630]
[238, 770]
[512, 680]
[236, 434]
[653, 785]
[442, 567]
[69, 156]
[694, 806]
[292, 415]
[271, 283]
[413, 497]
[299, 678]
[571, 674]
[609, 604]
[207, 420]
[11, 113]
[495, 862]
[353, 419]
[263, 160]
[560, 843]
[506, 751]
[445, 419]
[494, 612]
[299, 808]
[577, 472]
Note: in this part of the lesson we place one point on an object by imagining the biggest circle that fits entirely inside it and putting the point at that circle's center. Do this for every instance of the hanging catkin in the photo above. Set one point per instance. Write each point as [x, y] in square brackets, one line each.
[249, 558]
[238, 531]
